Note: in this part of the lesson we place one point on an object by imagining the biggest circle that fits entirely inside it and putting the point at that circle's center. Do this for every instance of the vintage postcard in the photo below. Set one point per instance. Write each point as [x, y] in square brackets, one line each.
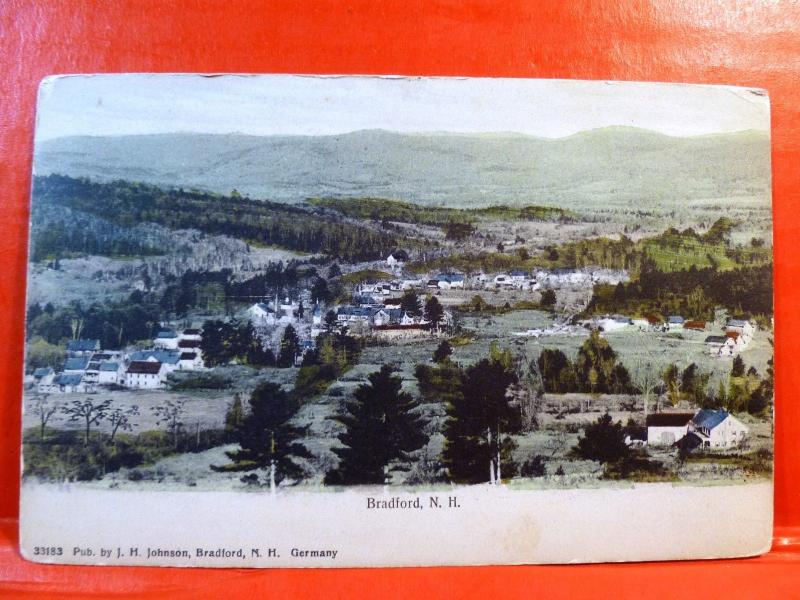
[306, 321]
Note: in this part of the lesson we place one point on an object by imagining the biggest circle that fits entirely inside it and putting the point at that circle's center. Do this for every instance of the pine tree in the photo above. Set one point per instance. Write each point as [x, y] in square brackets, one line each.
[475, 448]
[235, 415]
[737, 369]
[410, 303]
[290, 347]
[382, 428]
[603, 441]
[443, 352]
[434, 312]
[267, 439]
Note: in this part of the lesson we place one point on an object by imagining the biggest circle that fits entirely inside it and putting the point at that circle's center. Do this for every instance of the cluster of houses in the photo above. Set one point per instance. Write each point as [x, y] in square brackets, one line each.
[738, 334]
[88, 367]
[702, 430]
[517, 279]
[384, 316]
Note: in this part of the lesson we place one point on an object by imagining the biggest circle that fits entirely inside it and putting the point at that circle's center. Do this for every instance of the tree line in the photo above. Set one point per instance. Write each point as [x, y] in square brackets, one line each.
[384, 428]
[259, 222]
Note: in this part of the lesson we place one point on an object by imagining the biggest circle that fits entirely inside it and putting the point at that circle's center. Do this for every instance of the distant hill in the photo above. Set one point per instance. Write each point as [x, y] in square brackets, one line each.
[615, 166]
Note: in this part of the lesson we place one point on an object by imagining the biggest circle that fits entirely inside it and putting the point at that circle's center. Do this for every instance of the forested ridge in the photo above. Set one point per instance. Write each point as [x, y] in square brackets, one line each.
[380, 209]
[259, 222]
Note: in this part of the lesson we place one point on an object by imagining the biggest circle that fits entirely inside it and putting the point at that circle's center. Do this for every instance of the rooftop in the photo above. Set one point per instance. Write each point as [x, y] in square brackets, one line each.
[669, 419]
[82, 345]
[708, 419]
[145, 367]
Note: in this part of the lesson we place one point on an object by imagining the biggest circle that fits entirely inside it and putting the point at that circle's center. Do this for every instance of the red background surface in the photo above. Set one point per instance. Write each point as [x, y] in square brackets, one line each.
[696, 42]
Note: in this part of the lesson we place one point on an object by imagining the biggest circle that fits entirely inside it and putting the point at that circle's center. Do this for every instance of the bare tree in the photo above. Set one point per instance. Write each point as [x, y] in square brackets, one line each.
[120, 419]
[89, 412]
[43, 409]
[170, 414]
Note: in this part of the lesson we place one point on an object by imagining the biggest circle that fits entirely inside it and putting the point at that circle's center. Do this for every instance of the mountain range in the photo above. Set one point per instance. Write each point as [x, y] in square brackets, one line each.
[621, 167]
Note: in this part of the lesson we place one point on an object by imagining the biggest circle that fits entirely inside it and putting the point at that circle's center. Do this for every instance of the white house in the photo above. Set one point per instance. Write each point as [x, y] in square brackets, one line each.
[720, 345]
[76, 365]
[664, 429]
[397, 259]
[382, 316]
[503, 280]
[190, 361]
[144, 374]
[67, 384]
[675, 322]
[82, 347]
[43, 378]
[261, 314]
[448, 281]
[166, 339]
[169, 359]
[191, 334]
[109, 373]
[718, 430]
[518, 276]
[744, 329]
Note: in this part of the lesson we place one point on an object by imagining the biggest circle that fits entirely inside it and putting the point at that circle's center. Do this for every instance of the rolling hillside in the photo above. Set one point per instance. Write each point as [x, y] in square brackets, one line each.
[616, 166]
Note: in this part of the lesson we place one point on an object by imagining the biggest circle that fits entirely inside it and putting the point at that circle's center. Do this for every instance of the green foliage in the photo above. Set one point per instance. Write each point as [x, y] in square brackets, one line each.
[477, 447]
[40, 353]
[267, 437]
[603, 441]
[56, 236]
[410, 303]
[259, 222]
[290, 348]
[65, 456]
[548, 298]
[224, 342]
[442, 352]
[693, 293]
[433, 312]
[382, 428]
[366, 275]
[199, 381]
[115, 324]
[380, 209]
[336, 353]
[440, 384]
[234, 416]
[595, 369]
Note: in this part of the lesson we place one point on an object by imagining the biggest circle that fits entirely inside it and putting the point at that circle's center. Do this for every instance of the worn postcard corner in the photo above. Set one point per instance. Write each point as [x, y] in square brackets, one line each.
[297, 321]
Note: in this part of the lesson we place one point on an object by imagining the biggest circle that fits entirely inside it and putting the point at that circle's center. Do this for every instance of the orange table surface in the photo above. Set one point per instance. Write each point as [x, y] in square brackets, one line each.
[724, 42]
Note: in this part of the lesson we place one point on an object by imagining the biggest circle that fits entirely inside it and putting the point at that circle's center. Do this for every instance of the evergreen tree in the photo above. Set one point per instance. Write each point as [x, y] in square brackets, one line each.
[596, 367]
[548, 299]
[410, 303]
[330, 319]
[603, 441]
[443, 352]
[235, 415]
[434, 312]
[267, 439]
[737, 369]
[382, 428]
[320, 291]
[290, 348]
[475, 448]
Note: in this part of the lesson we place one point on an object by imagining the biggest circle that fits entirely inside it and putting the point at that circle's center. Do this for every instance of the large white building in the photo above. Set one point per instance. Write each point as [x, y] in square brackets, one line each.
[664, 429]
[145, 374]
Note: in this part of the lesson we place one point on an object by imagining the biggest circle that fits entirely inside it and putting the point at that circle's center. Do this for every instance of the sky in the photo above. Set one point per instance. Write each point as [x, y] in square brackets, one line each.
[130, 104]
